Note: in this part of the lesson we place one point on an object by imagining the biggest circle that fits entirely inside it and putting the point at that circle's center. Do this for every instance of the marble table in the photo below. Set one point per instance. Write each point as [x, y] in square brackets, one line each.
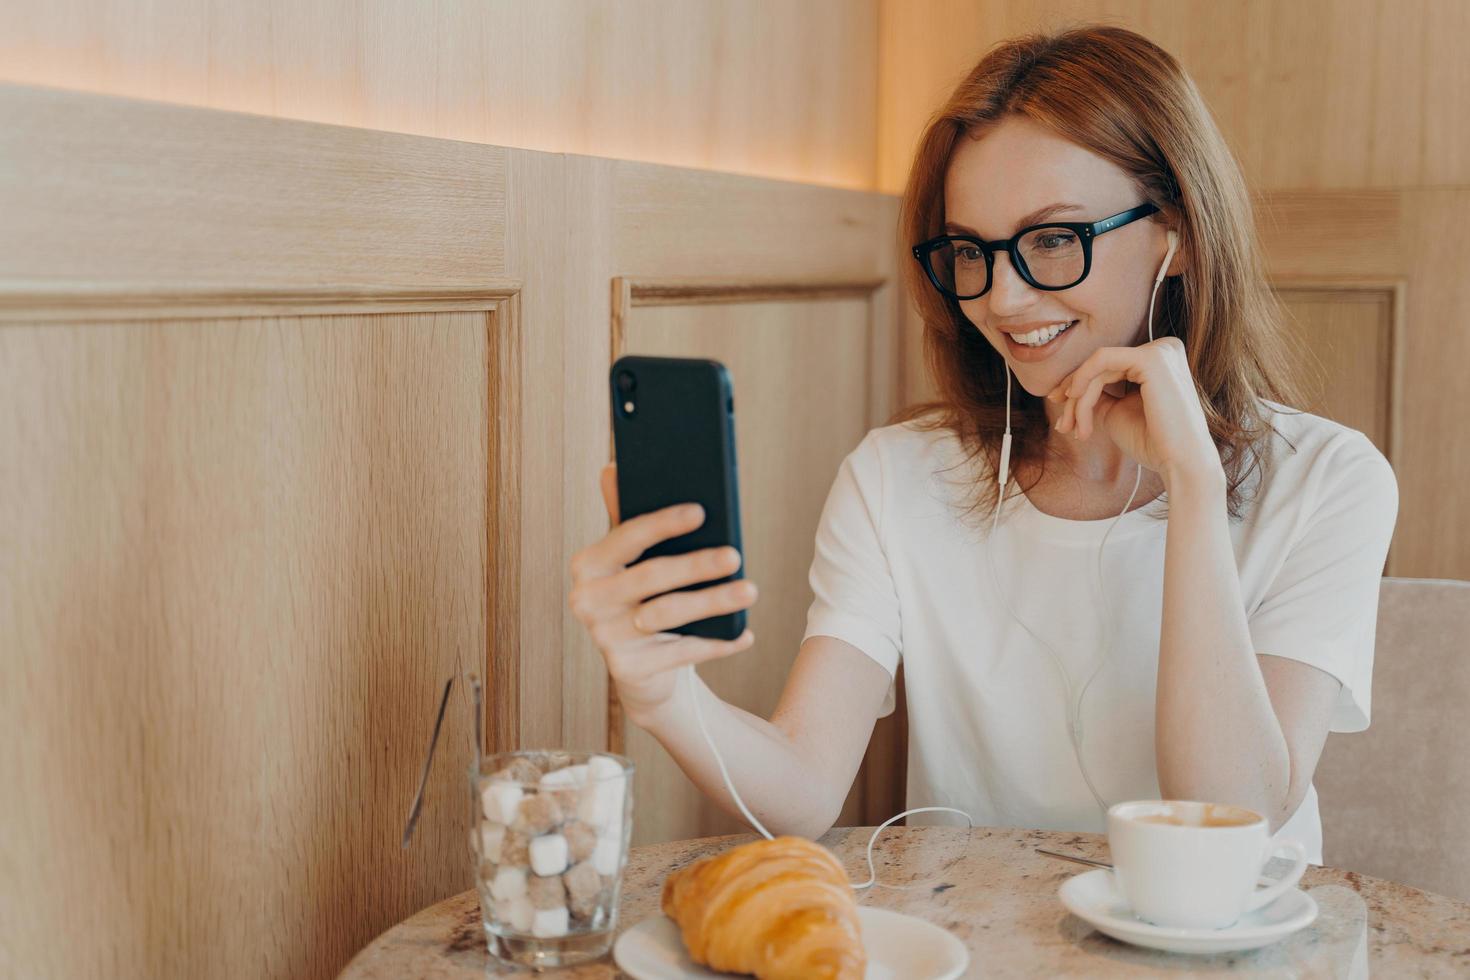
[992, 890]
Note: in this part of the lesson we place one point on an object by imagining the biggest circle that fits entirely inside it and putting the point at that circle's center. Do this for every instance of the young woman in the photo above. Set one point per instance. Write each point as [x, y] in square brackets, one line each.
[1175, 594]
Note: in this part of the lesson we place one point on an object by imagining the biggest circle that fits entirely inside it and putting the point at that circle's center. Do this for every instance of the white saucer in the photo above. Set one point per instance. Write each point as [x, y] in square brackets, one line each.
[898, 946]
[1093, 898]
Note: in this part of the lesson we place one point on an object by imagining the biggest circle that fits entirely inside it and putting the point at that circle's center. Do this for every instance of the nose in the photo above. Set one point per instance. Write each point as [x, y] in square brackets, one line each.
[1009, 293]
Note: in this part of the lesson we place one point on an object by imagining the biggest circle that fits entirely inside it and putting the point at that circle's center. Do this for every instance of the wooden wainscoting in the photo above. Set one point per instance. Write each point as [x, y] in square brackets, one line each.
[262, 492]
[1375, 281]
[1352, 333]
[244, 552]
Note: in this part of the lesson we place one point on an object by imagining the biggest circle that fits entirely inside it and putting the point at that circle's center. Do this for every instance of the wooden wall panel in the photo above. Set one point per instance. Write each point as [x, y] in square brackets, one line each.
[1349, 337]
[675, 83]
[1371, 91]
[241, 558]
[1433, 462]
[264, 468]
[118, 197]
[801, 374]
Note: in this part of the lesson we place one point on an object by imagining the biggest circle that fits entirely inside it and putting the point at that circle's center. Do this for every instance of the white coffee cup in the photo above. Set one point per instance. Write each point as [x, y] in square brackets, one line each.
[1195, 865]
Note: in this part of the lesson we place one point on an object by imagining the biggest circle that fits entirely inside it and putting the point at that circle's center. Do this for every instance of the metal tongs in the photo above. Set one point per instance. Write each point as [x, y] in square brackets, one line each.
[418, 798]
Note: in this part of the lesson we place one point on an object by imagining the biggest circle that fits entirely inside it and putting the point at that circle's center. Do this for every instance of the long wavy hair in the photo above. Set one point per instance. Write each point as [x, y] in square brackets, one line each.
[1127, 100]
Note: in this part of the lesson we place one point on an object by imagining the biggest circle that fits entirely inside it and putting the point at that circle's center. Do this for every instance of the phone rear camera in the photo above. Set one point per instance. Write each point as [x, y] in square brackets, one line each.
[626, 382]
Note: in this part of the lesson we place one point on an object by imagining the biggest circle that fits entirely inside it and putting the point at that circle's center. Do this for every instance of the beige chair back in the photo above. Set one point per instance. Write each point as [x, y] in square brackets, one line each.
[1396, 798]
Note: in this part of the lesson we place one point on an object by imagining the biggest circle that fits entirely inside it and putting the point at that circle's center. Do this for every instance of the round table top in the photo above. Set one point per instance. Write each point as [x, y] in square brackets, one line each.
[999, 896]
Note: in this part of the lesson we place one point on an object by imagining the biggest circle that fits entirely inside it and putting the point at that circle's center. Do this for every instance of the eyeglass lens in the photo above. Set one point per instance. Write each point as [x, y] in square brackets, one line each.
[1053, 256]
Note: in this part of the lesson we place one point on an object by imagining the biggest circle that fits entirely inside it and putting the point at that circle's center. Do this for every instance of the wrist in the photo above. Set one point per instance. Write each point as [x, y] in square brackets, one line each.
[1205, 479]
[659, 716]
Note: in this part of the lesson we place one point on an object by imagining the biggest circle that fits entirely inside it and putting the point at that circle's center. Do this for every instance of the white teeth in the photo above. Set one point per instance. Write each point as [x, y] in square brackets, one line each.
[1042, 335]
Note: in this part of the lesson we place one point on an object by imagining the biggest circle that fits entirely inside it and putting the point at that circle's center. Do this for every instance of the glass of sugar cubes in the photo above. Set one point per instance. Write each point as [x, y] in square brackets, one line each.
[550, 837]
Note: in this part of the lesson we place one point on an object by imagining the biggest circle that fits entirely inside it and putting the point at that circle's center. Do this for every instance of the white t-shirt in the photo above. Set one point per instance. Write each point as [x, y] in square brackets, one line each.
[897, 572]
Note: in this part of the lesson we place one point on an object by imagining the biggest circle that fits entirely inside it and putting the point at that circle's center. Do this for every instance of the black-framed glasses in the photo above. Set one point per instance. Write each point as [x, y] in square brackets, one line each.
[1051, 256]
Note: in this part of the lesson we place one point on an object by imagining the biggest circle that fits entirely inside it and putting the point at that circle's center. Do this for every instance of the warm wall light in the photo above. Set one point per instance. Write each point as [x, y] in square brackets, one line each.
[784, 92]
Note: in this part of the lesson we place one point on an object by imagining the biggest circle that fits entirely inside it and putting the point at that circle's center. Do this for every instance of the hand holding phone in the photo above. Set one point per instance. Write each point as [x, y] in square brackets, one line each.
[628, 607]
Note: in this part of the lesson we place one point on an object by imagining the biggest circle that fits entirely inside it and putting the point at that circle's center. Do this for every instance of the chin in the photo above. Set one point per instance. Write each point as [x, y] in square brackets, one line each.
[1038, 382]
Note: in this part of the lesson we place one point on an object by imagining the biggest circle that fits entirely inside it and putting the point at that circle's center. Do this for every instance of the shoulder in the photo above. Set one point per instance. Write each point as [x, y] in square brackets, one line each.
[908, 455]
[1310, 456]
[918, 440]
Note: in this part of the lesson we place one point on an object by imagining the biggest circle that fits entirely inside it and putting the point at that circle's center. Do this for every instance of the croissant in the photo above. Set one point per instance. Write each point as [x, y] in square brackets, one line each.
[778, 909]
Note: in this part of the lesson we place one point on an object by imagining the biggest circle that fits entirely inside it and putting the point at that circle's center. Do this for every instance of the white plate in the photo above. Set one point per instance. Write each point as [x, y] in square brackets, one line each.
[1093, 898]
[898, 946]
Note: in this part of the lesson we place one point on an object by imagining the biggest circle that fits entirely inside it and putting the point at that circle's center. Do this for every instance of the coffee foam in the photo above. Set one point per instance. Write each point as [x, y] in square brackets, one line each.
[1200, 815]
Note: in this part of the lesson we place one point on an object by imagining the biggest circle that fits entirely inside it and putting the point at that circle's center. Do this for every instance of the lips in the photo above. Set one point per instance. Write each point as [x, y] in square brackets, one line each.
[1026, 355]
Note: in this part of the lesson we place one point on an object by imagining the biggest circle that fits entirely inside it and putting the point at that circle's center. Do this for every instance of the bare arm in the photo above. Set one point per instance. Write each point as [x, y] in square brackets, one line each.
[1231, 726]
[793, 771]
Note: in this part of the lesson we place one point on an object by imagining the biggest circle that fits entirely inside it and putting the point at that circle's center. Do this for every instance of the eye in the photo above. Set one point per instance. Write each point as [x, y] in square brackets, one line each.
[1053, 240]
[968, 253]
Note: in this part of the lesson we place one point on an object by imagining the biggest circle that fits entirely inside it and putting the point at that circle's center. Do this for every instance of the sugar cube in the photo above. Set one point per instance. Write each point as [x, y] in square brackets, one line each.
[549, 854]
[565, 776]
[565, 785]
[584, 888]
[492, 835]
[606, 855]
[602, 801]
[501, 800]
[508, 883]
[516, 849]
[547, 893]
[520, 770]
[518, 913]
[581, 840]
[550, 923]
[537, 814]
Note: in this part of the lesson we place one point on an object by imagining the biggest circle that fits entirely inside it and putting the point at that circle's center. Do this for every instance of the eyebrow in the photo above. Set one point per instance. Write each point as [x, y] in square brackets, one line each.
[1040, 214]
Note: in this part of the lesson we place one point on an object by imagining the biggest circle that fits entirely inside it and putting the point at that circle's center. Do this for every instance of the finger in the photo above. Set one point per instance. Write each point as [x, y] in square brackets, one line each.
[681, 608]
[659, 575]
[1085, 404]
[633, 537]
[1171, 342]
[692, 650]
[1089, 399]
[1064, 424]
[607, 597]
[1130, 363]
[1126, 415]
[609, 482]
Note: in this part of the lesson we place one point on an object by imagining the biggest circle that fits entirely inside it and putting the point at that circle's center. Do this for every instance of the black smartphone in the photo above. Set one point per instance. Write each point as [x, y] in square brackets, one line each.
[674, 439]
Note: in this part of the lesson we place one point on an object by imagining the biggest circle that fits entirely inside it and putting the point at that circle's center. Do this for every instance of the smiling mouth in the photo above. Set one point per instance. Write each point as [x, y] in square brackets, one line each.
[1042, 336]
